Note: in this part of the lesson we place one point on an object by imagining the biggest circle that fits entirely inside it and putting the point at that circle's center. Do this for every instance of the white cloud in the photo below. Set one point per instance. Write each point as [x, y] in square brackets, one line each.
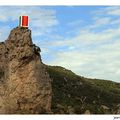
[100, 22]
[102, 62]
[87, 37]
[90, 53]
[41, 19]
[112, 10]
[75, 23]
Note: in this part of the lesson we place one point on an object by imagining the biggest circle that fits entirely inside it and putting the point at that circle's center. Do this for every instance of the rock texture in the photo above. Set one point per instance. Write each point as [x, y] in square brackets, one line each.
[25, 86]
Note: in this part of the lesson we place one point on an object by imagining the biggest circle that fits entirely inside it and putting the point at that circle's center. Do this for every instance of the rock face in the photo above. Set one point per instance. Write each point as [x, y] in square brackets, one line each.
[25, 86]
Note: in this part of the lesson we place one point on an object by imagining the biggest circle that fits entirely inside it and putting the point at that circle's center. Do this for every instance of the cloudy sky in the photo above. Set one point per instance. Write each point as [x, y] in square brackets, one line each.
[84, 39]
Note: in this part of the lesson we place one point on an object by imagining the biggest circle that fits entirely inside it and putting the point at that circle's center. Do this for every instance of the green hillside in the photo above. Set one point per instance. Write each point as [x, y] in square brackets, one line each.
[73, 94]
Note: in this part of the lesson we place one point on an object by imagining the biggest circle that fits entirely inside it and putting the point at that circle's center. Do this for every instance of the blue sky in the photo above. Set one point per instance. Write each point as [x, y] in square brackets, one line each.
[84, 39]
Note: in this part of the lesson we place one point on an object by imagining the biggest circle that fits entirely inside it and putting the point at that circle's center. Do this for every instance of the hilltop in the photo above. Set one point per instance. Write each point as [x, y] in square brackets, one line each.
[73, 94]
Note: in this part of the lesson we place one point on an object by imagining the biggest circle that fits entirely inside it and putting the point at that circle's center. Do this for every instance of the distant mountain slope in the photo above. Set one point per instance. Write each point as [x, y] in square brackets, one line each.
[73, 94]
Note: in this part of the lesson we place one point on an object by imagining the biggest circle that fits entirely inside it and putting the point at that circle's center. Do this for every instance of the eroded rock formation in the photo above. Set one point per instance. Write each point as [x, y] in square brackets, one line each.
[25, 86]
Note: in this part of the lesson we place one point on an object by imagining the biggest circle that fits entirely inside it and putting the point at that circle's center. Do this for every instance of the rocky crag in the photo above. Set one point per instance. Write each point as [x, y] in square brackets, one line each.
[25, 86]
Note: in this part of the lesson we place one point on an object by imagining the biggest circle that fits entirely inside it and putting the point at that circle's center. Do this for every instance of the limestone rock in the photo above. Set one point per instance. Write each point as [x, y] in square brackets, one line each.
[71, 110]
[105, 107]
[25, 86]
[87, 112]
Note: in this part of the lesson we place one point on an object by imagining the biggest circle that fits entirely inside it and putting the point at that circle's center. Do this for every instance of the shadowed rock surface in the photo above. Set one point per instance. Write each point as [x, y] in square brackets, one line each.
[25, 86]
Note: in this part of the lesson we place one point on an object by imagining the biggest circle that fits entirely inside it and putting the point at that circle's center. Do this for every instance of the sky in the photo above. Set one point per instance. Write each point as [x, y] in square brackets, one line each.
[84, 39]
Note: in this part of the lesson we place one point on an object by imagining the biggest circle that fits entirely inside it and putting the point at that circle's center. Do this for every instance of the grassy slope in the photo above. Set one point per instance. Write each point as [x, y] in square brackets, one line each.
[76, 94]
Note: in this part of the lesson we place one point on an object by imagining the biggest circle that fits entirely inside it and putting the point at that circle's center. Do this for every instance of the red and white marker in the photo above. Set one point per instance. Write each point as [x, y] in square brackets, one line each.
[23, 21]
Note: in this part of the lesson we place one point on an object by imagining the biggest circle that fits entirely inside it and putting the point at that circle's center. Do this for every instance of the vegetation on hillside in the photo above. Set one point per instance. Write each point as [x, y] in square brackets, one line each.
[73, 94]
